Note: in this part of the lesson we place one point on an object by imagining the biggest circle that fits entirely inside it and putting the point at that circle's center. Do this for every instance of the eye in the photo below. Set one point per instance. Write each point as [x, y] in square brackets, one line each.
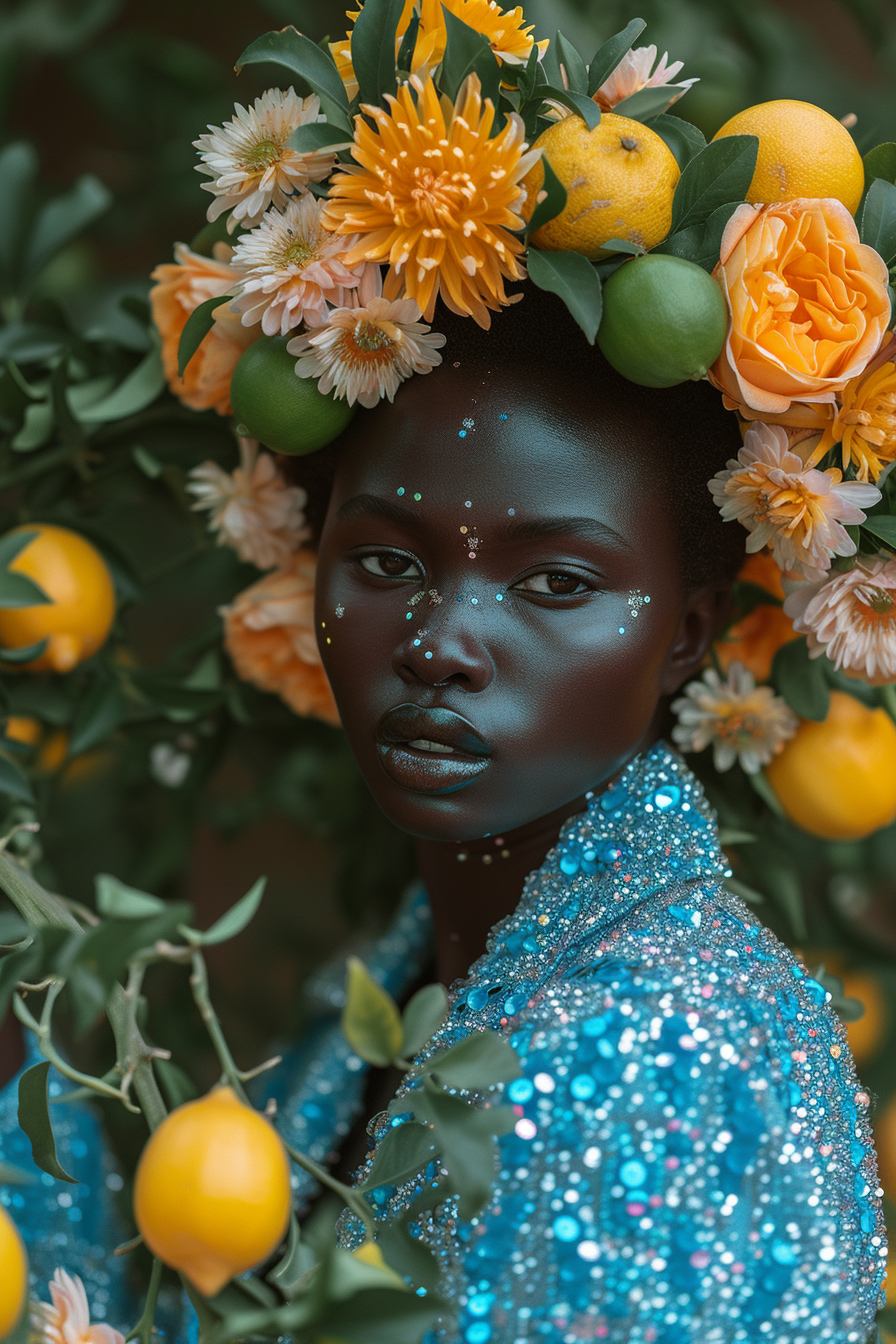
[391, 565]
[554, 583]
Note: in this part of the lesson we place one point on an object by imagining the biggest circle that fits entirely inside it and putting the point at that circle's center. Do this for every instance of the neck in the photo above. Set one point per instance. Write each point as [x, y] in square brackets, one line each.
[469, 895]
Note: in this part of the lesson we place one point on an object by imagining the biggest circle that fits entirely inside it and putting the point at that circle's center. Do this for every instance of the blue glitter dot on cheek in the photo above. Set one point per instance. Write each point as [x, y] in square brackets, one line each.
[461, 433]
[428, 654]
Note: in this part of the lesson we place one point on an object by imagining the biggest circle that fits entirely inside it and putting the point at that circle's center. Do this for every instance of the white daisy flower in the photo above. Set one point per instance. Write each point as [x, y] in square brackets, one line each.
[250, 162]
[850, 617]
[252, 508]
[738, 719]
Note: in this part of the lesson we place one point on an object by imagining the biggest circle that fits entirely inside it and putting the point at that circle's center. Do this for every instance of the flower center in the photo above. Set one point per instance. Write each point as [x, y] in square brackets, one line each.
[879, 601]
[369, 337]
[441, 198]
[263, 154]
[299, 252]
[740, 726]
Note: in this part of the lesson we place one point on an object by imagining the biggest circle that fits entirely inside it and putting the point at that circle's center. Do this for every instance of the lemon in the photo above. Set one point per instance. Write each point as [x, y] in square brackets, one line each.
[867, 1033]
[77, 620]
[803, 151]
[664, 320]
[837, 779]
[619, 180]
[22, 728]
[13, 1274]
[285, 412]
[212, 1192]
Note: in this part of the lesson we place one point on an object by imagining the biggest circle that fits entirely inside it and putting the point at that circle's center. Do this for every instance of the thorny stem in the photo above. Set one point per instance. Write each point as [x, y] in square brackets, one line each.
[143, 1329]
[236, 1077]
[355, 1201]
[42, 1031]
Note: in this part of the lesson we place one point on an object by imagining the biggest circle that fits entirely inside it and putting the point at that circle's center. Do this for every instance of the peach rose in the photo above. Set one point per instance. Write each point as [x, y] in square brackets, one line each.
[269, 634]
[181, 286]
[756, 639]
[808, 303]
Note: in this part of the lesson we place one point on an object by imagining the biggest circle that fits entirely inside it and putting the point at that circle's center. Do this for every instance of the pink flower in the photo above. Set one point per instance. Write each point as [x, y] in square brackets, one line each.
[798, 512]
[850, 617]
[291, 269]
[634, 72]
[363, 354]
[252, 509]
[67, 1321]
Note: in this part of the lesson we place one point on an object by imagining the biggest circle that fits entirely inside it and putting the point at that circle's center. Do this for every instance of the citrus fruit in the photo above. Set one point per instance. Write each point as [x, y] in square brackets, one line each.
[664, 320]
[78, 618]
[619, 180]
[212, 1193]
[867, 1033]
[13, 1274]
[22, 728]
[837, 779]
[803, 151]
[885, 1142]
[283, 411]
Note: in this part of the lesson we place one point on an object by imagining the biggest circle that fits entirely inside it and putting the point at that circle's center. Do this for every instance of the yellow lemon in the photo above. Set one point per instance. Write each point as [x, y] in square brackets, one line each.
[77, 619]
[867, 1033]
[13, 1274]
[619, 180]
[22, 728]
[212, 1192]
[803, 151]
[837, 779]
[285, 412]
[885, 1142]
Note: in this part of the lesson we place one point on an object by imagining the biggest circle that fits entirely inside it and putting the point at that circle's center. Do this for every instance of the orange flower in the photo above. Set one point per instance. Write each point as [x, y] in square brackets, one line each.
[808, 302]
[509, 39]
[434, 197]
[269, 634]
[865, 423]
[181, 286]
[756, 639]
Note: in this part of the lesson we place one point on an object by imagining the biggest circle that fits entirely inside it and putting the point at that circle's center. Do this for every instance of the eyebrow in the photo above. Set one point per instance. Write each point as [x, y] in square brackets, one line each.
[515, 530]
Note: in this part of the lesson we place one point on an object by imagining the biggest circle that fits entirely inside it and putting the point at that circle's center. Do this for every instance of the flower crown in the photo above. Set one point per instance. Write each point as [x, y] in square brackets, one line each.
[443, 152]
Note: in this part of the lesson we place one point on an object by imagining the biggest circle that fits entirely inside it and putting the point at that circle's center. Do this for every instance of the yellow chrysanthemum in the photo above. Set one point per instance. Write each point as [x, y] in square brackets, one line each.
[431, 195]
[865, 423]
[505, 30]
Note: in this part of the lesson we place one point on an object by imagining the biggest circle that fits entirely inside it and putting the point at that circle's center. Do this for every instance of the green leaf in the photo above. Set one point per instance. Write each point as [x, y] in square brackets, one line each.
[700, 243]
[10, 1175]
[373, 48]
[370, 1018]
[608, 56]
[623, 245]
[745, 892]
[24, 654]
[882, 525]
[422, 1018]
[479, 1061]
[97, 716]
[881, 162]
[104, 951]
[878, 220]
[34, 1119]
[62, 219]
[380, 1315]
[800, 680]
[571, 65]
[235, 920]
[13, 782]
[297, 1261]
[554, 200]
[645, 104]
[15, 966]
[576, 102]
[572, 277]
[315, 136]
[18, 590]
[407, 1255]
[408, 43]
[18, 168]
[303, 58]
[176, 1083]
[465, 1135]
[684, 140]
[116, 900]
[404, 1151]
[720, 173]
[135, 392]
[468, 53]
[198, 326]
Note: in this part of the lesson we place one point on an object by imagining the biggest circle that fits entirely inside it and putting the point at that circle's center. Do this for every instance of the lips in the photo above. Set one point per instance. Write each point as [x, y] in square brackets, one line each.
[430, 750]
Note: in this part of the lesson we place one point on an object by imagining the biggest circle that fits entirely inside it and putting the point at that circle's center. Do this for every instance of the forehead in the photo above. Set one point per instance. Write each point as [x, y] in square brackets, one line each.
[501, 443]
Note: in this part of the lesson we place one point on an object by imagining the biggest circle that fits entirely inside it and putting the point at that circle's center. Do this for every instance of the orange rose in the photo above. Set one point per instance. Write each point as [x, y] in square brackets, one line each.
[756, 639]
[182, 286]
[269, 634]
[809, 307]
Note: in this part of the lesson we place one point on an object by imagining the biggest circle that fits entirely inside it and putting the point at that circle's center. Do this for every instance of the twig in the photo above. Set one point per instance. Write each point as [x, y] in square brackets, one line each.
[42, 1029]
[199, 985]
[355, 1201]
[143, 1329]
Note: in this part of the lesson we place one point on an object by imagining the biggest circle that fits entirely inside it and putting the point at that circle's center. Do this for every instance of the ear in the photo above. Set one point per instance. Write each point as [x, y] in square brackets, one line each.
[704, 614]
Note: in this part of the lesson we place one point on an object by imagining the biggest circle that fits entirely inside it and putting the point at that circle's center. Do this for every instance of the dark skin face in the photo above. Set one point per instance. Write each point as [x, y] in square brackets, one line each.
[570, 519]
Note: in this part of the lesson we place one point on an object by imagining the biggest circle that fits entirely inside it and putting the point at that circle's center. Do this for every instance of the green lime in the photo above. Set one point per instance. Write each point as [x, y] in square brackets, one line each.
[664, 320]
[283, 411]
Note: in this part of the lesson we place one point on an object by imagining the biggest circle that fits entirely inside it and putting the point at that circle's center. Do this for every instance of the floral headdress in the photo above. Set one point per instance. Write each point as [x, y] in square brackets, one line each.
[437, 157]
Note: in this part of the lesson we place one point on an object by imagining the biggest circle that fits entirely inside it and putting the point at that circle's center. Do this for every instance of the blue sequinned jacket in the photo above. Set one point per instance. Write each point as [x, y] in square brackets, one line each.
[691, 1159]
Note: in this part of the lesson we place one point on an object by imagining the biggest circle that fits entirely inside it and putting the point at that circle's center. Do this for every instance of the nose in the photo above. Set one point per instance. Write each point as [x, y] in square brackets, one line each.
[449, 652]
